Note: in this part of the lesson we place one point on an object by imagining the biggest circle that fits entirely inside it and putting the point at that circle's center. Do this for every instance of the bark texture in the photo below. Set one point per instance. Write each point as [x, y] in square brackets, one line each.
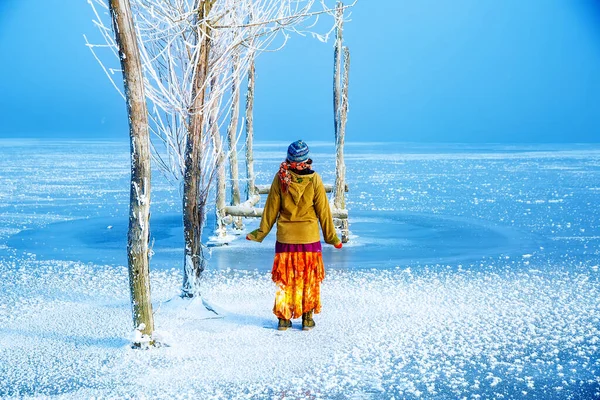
[250, 186]
[341, 71]
[139, 198]
[194, 200]
[220, 195]
[337, 67]
[231, 138]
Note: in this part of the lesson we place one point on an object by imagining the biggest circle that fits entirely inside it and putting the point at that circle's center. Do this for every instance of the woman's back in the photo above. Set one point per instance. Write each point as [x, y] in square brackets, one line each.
[298, 203]
[298, 211]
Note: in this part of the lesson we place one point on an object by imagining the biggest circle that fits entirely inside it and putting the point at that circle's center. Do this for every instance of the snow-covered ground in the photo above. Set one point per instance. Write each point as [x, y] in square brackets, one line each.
[472, 273]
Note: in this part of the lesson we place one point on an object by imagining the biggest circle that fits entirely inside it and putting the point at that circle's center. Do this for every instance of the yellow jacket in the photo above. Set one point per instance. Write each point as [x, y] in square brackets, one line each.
[297, 212]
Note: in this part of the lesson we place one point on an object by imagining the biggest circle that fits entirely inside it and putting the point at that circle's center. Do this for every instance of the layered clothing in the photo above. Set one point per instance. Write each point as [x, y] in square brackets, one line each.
[298, 204]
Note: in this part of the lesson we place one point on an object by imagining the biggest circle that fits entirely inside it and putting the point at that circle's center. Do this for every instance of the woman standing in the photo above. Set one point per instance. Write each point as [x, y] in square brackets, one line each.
[297, 201]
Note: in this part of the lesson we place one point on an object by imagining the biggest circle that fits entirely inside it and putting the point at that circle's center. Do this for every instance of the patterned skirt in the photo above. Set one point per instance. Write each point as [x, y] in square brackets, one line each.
[298, 271]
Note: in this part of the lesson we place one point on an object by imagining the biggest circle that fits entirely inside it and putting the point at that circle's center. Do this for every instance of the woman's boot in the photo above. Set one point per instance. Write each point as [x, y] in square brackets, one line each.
[284, 324]
[307, 321]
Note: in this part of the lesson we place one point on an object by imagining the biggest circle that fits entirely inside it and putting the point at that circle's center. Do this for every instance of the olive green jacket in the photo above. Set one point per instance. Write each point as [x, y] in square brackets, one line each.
[297, 212]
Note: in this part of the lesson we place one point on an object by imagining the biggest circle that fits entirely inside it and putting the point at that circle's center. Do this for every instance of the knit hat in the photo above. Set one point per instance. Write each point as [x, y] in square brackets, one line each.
[297, 151]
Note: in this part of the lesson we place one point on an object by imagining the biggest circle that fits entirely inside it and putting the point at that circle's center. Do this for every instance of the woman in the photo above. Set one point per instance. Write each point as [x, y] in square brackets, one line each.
[297, 201]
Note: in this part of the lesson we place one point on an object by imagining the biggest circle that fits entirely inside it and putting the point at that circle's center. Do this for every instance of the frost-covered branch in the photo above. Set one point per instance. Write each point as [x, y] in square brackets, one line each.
[170, 37]
[195, 54]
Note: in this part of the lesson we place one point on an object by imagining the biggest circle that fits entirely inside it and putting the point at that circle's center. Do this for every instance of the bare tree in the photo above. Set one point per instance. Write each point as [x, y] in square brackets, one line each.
[188, 47]
[341, 73]
[139, 198]
[194, 200]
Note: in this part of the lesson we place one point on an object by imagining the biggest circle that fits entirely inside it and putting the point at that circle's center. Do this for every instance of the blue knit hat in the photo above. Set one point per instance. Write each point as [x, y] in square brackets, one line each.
[297, 152]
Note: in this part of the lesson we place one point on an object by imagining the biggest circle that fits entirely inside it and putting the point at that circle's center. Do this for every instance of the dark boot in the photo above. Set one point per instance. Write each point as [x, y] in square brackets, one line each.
[307, 321]
[284, 324]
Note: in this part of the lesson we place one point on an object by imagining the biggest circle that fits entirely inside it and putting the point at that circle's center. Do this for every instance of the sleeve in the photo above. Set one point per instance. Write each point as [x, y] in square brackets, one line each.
[270, 212]
[323, 211]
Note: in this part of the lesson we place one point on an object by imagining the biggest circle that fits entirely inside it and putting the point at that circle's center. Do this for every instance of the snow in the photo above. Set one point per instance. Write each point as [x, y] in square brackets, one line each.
[435, 298]
[381, 332]
[141, 339]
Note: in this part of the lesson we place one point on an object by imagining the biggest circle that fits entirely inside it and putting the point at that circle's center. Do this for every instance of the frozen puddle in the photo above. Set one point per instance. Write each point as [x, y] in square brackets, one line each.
[381, 239]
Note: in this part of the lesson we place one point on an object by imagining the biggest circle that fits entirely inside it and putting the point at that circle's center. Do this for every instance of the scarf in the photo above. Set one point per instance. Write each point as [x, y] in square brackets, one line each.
[284, 172]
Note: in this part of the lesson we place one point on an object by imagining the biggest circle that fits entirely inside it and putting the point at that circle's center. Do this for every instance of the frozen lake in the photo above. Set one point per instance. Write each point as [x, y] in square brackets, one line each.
[408, 204]
[471, 271]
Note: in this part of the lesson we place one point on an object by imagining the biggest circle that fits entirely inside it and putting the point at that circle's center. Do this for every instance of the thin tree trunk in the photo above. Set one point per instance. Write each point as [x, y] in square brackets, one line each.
[220, 203]
[139, 194]
[231, 137]
[221, 228]
[251, 184]
[340, 178]
[337, 66]
[193, 203]
[341, 66]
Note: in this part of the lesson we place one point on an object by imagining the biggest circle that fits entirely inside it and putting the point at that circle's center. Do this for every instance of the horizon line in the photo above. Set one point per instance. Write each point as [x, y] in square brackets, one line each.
[314, 143]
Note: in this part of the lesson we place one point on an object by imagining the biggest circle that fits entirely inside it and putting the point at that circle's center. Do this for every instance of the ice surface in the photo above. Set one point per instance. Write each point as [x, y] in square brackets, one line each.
[376, 241]
[472, 273]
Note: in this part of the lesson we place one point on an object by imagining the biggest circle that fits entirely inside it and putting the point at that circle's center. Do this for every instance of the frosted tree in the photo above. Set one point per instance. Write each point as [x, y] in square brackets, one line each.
[139, 203]
[341, 73]
[194, 54]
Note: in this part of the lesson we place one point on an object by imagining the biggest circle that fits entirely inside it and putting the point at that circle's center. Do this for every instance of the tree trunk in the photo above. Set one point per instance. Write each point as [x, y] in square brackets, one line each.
[250, 186]
[139, 194]
[340, 104]
[337, 66]
[232, 140]
[340, 179]
[221, 228]
[194, 202]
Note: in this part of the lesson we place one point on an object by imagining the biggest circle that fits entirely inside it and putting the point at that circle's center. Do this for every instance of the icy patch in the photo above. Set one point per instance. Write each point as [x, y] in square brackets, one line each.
[377, 240]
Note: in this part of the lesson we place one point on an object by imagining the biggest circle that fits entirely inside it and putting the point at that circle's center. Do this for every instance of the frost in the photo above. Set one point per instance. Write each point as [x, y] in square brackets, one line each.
[321, 38]
[432, 299]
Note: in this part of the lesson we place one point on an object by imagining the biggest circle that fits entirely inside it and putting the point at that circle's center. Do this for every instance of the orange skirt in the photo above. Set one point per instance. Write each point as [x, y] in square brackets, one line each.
[298, 277]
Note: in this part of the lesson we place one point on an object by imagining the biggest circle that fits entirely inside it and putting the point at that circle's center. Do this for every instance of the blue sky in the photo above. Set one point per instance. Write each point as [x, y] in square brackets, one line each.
[422, 71]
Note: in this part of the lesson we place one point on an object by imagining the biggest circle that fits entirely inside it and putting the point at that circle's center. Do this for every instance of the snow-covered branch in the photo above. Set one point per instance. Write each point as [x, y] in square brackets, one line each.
[170, 46]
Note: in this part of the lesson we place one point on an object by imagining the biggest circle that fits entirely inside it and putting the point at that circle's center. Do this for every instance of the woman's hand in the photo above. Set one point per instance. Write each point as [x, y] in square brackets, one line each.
[252, 235]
